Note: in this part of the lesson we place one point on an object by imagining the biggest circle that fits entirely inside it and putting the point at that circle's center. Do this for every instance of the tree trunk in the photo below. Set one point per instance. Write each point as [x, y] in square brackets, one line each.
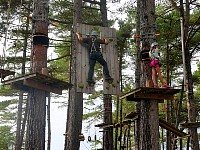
[149, 121]
[19, 135]
[137, 77]
[19, 120]
[168, 110]
[36, 121]
[75, 104]
[37, 101]
[108, 132]
[188, 80]
[149, 126]
[49, 122]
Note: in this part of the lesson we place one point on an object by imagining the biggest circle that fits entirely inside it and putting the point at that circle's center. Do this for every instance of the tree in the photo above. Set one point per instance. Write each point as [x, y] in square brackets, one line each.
[37, 98]
[188, 74]
[6, 137]
[75, 103]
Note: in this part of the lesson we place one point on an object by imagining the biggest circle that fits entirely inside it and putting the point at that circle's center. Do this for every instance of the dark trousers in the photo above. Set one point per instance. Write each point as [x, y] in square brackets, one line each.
[97, 56]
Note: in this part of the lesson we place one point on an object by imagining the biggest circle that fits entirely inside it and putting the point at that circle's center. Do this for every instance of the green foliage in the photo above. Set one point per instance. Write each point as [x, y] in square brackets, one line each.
[6, 137]
[6, 91]
[196, 75]
[6, 117]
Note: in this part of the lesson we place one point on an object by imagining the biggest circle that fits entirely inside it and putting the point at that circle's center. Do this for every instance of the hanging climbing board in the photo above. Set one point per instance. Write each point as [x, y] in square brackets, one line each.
[109, 53]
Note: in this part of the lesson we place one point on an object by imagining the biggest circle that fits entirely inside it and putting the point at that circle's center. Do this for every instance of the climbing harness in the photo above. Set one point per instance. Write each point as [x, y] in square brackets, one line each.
[93, 48]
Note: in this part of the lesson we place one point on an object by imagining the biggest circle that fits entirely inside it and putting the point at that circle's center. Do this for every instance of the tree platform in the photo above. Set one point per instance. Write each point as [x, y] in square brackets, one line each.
[147, 93]
[38, 81]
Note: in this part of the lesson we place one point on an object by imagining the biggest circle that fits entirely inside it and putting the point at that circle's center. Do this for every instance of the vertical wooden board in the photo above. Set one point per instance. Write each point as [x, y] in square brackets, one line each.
[111, 56]
[115, 63]
[82, 62]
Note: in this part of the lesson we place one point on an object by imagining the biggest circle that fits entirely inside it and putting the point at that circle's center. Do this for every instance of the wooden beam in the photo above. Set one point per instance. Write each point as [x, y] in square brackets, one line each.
[171, 128]
[137, 96]
[40, 86]
[104, 125]
[191, 125]
[132, 115]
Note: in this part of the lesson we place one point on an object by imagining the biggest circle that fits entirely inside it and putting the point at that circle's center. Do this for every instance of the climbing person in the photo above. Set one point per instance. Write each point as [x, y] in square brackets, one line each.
[93, 44]
[154, 54]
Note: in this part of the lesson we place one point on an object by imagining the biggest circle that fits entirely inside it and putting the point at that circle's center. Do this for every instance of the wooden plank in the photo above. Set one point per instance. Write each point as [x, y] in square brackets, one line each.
[89, 89]
[132, 115]
[82, 61]
[43, 79]
[110, 55]
[115, 63]
[150, 93]
[191, 125]
[149, 96]
[103, 125]
[40, 86]
[19, 87]
[171, 128]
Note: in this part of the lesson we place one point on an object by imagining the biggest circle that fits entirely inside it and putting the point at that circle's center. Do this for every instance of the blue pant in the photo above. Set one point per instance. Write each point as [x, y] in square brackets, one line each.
[97, 56]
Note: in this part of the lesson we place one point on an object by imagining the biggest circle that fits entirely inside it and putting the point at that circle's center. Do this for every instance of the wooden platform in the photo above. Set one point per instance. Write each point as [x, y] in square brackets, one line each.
[5, 73]
[38, 81]
[148, 93]
[171, 128]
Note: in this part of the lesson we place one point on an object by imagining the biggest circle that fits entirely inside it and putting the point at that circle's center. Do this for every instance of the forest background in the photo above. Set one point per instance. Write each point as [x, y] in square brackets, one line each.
[15, 30]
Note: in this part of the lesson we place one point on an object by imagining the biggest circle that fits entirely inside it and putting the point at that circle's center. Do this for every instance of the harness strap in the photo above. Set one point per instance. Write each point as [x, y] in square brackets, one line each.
[93, 48]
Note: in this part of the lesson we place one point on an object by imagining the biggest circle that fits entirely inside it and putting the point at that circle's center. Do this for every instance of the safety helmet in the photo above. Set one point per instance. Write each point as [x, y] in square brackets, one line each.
[154, 44]
[94, 33]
